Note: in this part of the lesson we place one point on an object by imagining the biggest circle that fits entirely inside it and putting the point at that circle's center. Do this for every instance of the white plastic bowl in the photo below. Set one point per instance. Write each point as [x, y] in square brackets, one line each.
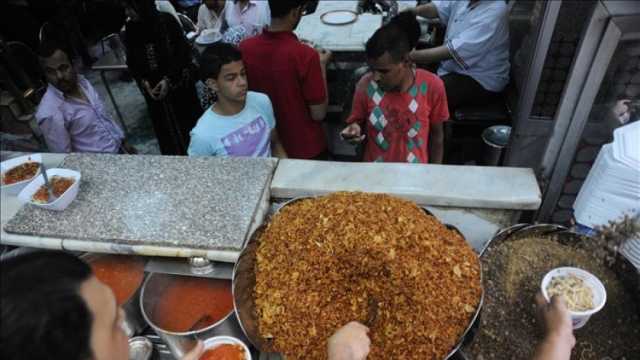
[15, 188]
[215, 341]
[60, 203]
[578, 318]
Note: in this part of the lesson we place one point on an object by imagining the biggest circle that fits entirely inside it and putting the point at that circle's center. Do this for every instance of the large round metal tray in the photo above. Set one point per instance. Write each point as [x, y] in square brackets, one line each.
[624, 270]
[244, 281]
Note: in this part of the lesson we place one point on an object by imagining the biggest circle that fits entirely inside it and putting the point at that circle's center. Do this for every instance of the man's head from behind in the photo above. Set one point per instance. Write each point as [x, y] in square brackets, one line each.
[222, 70]
[388, 51]
[57, 67]
[288, 11]
[54, 308]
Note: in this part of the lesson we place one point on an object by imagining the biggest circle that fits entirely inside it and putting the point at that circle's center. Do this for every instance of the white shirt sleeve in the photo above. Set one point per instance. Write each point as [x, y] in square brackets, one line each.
[444, 9]
[468, 47]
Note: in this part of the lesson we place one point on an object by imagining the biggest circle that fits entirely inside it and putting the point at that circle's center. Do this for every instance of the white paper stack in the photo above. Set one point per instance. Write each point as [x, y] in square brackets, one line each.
[612, 188]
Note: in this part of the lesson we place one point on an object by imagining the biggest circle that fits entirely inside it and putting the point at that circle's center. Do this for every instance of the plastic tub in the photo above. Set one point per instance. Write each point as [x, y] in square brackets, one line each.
[61, 202]
[15, 188]
[579, 318]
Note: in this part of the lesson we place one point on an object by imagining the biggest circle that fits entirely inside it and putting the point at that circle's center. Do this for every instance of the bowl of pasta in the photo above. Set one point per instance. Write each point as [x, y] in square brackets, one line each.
[583, 293]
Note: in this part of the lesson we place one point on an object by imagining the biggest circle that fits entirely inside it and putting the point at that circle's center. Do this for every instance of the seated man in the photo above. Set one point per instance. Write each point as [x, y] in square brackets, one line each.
[475, 54]
[53, 307]
[71, 115]
[240, 122]
[400, 109]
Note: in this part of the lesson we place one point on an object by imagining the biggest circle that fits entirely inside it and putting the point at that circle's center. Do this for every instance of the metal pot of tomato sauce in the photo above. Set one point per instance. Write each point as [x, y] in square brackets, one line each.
[124, 275]
[183, 309]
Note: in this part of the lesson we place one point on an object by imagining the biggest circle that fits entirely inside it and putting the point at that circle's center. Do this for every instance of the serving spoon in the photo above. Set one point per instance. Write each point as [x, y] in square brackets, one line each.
[47, 184]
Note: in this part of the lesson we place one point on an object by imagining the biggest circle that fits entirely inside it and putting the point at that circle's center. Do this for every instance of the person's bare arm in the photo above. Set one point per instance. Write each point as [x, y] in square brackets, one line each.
[558, 340]
[319, 111]
[277, 150]
[429, 11]
[432, 55]
[436, 143]
[350, 342]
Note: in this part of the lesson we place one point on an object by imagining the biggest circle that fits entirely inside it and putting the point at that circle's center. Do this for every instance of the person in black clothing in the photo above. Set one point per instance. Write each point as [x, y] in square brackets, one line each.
[159, 58]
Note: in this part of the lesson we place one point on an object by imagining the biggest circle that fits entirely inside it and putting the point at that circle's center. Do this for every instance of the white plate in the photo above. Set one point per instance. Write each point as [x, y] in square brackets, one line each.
[15, 188]
[60, 203]
[211, 343]
[339, 17]
[208, 37]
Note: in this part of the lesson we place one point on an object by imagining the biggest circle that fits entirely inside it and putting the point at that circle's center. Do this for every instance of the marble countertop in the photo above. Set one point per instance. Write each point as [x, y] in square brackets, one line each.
[181, 206]
[436, 185]
[349, 37]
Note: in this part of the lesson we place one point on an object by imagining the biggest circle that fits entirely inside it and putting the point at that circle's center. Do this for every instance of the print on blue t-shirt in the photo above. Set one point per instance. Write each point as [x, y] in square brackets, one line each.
[247, 133]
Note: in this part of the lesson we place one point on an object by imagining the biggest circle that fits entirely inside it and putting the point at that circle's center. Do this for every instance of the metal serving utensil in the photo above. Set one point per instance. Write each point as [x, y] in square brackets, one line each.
[47, 184]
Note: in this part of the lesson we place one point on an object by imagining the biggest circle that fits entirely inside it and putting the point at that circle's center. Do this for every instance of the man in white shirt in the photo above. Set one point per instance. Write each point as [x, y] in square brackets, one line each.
[211, 15]
[474, 59]
[253, 15]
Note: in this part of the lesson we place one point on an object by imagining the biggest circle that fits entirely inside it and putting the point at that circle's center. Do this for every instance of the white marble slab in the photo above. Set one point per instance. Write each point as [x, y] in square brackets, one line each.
[349, 37]
[437, 185]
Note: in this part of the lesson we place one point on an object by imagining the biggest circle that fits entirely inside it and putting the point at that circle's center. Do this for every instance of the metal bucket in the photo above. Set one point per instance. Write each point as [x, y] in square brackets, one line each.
[495, 139]
[133, 323]
[179, 343]
[244, 281]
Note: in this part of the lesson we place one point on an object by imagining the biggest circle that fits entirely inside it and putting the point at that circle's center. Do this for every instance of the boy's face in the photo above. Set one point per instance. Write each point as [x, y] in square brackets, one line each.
[389, 74]
[231, 82]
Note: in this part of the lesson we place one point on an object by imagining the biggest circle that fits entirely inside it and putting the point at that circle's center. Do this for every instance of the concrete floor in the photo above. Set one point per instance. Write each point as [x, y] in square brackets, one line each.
[132, 106]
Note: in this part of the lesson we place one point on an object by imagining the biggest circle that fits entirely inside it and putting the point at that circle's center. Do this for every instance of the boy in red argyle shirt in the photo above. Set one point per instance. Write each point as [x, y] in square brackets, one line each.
[399, 109]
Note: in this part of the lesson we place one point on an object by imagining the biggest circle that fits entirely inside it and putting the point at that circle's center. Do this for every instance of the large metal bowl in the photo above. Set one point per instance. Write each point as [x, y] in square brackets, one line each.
[180, 343]
[244, 281]
[623, 268]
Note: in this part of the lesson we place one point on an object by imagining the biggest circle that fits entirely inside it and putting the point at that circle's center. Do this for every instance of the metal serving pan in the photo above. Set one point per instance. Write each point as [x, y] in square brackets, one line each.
[244, 280]
[623, 268]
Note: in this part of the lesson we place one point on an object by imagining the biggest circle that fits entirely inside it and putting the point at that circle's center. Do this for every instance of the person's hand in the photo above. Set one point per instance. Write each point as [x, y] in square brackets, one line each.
[352, 134]
[148, 89]
[195, 353]
[350, 342]
[622, 110]
[556, 319]
[161, 90]
[325, 56]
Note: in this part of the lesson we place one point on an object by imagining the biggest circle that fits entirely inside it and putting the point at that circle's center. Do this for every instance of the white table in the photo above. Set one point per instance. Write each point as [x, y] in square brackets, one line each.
[350, 37]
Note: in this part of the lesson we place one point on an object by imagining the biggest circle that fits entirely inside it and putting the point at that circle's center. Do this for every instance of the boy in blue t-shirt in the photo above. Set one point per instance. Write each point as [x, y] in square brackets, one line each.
[240, 122]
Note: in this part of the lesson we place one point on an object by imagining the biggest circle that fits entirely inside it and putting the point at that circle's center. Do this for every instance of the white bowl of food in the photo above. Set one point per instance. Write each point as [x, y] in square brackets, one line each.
[213, 346]
[18, 172]
[582, 291]
[65, 184]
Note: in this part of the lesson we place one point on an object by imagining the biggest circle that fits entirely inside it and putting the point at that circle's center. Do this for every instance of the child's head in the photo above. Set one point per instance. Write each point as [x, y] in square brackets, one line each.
[222, 70]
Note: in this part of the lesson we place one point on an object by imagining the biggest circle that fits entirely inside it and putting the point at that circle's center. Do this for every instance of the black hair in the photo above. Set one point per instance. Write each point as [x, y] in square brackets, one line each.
[216, 56]
[397, 37]
[281, 8]
[42, 314]
[48, 47]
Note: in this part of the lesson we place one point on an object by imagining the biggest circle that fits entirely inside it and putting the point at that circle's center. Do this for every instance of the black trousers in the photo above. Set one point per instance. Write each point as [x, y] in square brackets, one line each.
[463, 90]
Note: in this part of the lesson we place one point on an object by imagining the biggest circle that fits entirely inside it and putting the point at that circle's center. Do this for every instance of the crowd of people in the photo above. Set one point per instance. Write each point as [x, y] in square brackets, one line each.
[269, 90]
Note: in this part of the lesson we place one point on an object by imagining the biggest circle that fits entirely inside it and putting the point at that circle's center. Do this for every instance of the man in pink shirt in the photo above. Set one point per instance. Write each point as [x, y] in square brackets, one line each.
[71, 115]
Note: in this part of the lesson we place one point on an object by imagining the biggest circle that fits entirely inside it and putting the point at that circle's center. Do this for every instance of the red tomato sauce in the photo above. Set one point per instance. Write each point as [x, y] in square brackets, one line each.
[224, 352]
[123, 274]
[191, 303]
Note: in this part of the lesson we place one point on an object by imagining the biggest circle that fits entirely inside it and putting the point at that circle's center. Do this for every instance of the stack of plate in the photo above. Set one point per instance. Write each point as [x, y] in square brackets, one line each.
[612, 188]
